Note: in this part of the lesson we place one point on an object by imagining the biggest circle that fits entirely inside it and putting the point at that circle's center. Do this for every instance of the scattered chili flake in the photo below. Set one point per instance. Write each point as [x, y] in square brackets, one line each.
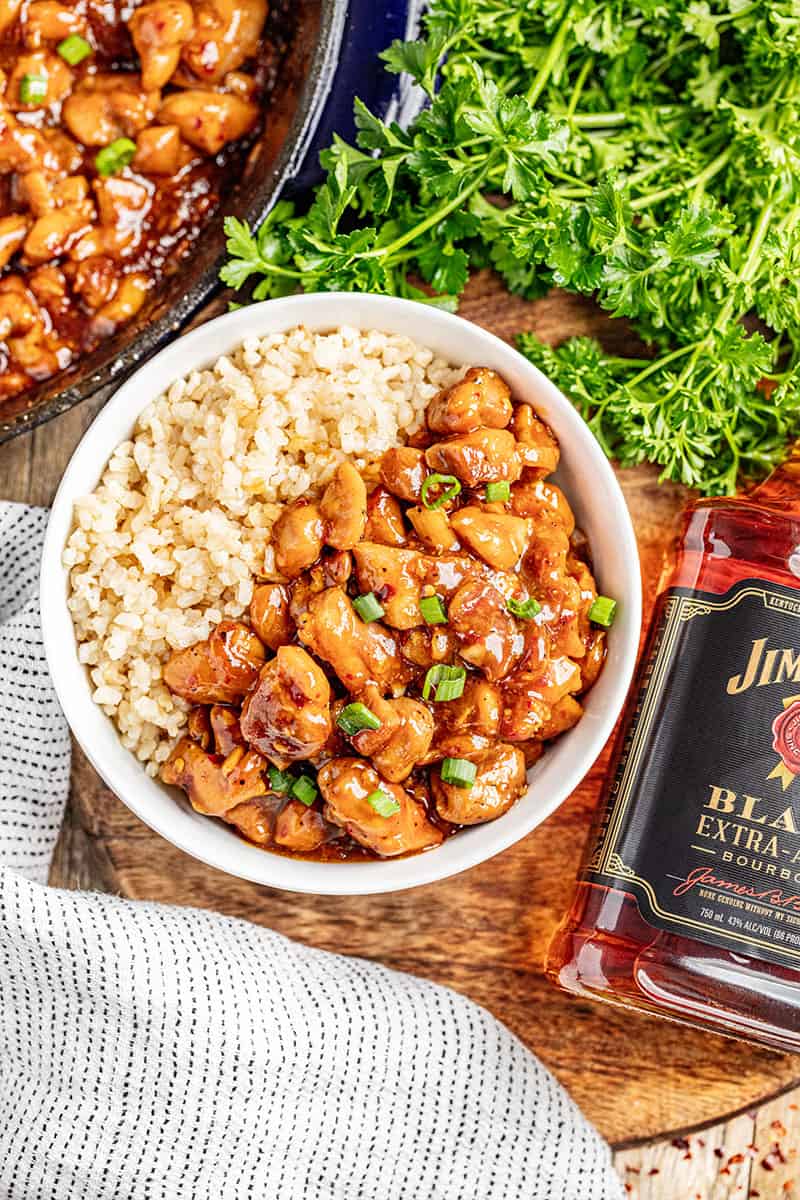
[779, 1128]
[719, 1152]
[654, 1171]
[680, 1143]
[774, 1159]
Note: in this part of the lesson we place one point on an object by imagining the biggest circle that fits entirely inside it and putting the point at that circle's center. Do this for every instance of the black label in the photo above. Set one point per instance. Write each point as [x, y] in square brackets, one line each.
[703, 822]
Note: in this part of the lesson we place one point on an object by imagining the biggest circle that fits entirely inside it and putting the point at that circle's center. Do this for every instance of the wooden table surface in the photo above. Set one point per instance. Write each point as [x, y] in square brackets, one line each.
[703, 1118]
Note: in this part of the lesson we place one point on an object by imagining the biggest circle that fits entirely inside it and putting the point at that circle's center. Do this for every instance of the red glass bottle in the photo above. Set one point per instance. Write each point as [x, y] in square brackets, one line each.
[688, 904]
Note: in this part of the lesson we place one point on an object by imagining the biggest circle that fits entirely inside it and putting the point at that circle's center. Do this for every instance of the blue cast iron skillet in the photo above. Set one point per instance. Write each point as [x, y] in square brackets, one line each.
[332, 55]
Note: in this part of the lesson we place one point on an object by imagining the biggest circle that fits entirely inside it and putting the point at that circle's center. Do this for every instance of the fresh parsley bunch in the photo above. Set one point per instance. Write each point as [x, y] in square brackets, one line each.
[647, 154]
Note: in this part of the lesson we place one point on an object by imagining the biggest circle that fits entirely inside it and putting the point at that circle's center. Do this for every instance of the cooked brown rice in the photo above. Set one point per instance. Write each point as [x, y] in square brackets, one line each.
[171, 539]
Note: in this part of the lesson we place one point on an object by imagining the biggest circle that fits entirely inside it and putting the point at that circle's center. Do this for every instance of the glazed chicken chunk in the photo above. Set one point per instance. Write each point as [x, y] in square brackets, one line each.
[215, 786]
[220, 669]
[488, 637]
[348, 784]
[359, 653]
[384, 519]
[482, 398]
[404, 736]
[344, 508]
[499, 782]
[270, 615]
[300, 829]
[287, 714]
[484, 456]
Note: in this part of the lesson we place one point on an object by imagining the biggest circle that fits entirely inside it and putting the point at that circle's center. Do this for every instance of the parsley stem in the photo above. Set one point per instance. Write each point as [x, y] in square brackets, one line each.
[697, 181]
[576, 91]
[554, 52]
[616, 118]
[657, 363]
[268, 268]
[656, 68]
[653, 365]
[749, 265]
[576, 184]
[606, 120]
[435, 217]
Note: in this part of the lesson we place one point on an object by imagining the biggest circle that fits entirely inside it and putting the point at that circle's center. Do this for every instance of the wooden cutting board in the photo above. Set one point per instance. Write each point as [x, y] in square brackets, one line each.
[483, 933]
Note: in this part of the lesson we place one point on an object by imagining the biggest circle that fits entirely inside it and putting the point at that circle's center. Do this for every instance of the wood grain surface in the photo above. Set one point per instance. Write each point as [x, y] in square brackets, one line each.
[484, 933]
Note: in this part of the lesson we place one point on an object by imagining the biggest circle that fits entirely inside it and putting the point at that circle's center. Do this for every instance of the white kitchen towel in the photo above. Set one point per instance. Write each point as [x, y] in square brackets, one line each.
[158, 1052]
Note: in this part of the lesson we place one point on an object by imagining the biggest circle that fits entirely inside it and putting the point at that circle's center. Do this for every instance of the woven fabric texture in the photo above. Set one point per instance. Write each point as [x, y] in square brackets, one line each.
[158, 1052]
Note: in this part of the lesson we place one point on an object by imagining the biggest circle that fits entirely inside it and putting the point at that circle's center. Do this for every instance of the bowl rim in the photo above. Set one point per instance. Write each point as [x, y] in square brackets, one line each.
[318, 312]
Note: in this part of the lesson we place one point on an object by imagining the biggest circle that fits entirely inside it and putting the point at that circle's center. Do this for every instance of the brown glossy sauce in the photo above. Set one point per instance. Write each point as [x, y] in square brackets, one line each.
[58, 306]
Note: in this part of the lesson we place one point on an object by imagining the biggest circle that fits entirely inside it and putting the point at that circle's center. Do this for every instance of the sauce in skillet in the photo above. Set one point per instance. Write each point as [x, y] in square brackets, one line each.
[121, 126]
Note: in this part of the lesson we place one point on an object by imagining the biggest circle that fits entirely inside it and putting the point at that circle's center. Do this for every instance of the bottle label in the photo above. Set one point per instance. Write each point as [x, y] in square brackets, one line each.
[703, 822]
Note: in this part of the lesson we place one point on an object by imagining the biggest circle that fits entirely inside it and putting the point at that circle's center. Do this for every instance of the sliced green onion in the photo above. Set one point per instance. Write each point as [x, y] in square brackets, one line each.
[458, 771]
[384, 805]
[279, 781]
[305, 790]
[368, 607]
[451, 489]
[116, 155]
[603, 611]
[524, 609]
[355, 717]
[32, 88]
[433, 610]
[498, 491]
[74, 49]
[447, 683]
[450, 689]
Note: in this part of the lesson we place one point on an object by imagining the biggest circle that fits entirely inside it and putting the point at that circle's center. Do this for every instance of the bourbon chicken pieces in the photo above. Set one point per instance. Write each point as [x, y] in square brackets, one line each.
[120, 129]
[424, 636]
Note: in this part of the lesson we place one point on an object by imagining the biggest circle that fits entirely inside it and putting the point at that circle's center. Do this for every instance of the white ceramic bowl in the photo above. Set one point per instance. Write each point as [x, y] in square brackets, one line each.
[585, 476]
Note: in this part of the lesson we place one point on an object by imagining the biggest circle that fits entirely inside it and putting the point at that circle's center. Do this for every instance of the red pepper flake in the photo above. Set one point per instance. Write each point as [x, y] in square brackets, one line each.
[787, 1187]
[736, 1158]
[774, 1159]
[779, 1127]
[753, 1192]
[628, 1187]
[634, 1170]
[654, 1171]
[719, 1152]
[680, 1143]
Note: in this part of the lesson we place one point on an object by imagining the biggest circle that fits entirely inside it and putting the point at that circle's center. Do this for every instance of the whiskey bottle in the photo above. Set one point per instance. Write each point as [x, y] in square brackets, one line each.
[688, 902]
